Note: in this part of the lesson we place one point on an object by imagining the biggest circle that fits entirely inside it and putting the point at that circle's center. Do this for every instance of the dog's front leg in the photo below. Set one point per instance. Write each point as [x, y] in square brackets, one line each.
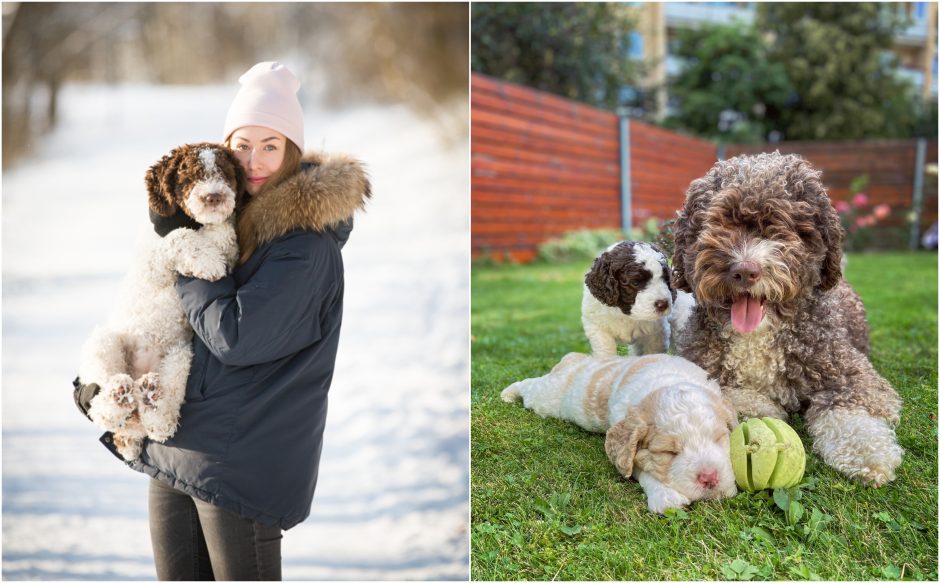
[659, 496]
[602, 342]
[195, 254]
[750, 403]
[855, 443]
[655, 343]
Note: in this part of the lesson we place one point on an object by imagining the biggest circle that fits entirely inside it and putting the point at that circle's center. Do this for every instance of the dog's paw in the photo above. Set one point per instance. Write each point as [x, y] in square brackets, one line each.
[115, 404]
[210, 265]
[876, 468]
[128, 447]
[196, 254]
[148, 386]
[120, 390]
[664, 498]
[860, 446]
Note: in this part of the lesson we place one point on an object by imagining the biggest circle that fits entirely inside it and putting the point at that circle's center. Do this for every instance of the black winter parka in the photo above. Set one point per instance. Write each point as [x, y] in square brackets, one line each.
[251, 429]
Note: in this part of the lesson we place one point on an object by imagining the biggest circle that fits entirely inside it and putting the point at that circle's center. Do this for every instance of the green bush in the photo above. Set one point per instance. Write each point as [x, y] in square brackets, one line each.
[585, 244]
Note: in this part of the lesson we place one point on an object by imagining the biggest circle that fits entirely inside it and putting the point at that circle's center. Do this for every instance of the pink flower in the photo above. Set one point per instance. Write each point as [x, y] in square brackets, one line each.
[860, 222]
[842, 207]
[860, 199]
[882, 211]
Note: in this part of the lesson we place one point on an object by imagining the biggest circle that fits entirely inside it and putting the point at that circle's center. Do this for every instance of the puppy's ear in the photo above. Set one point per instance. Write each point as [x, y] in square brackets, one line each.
[161, 184]
[668, 279]
[725, 410]
[623, 439]
[602, 282]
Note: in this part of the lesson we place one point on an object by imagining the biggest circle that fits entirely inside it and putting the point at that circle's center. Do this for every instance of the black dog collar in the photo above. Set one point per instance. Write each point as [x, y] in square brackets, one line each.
[164, 225]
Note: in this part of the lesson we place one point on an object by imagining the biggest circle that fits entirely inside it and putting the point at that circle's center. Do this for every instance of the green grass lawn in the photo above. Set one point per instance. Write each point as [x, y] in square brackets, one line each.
[547, 504]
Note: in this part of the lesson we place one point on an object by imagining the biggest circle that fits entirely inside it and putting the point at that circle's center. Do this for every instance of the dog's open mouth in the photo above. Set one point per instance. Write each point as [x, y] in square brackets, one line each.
[747, 312]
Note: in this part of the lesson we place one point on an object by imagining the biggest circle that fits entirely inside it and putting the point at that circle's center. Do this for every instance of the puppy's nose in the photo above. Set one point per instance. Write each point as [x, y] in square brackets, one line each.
[214, 198]
[708, 478]
[745, 273]
[661, 305]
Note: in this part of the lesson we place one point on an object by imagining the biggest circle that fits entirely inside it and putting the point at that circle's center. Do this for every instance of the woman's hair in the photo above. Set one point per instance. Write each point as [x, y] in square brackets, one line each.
[289, 167]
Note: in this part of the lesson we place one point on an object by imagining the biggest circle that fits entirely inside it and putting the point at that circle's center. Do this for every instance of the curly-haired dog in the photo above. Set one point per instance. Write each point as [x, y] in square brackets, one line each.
[141, 358]
[667, 424]
[628, 299]
[760, 244]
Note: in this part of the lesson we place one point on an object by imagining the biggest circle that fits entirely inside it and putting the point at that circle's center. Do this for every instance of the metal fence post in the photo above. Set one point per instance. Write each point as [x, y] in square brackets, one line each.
[918, 195]
[626, 192]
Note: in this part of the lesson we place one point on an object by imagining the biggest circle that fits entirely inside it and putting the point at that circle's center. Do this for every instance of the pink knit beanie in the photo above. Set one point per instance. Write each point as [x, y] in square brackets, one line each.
[268, 98]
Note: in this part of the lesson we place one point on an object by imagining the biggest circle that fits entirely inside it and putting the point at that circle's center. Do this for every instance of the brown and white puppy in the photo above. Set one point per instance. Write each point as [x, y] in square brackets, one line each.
[141, 358]
[628, 299]
[667, 425]
[760, 245]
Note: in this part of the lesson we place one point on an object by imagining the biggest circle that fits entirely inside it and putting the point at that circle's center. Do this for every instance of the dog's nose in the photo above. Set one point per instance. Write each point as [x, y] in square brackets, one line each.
[745, 273]
[214, 198]
[661, 305]
[708, 478]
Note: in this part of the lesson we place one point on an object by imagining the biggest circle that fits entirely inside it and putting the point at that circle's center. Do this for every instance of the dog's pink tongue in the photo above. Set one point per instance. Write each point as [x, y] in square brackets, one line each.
[746, 314]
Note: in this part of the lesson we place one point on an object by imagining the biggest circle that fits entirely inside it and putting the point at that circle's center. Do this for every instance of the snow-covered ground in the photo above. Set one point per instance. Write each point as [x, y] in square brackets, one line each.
[393, 495]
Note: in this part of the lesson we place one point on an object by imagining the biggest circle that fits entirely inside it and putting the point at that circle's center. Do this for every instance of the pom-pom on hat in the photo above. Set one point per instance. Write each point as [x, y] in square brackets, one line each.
[268, 98]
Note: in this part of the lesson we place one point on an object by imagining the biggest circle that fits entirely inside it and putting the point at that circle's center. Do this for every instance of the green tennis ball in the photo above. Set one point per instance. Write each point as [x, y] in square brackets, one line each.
[766, 453]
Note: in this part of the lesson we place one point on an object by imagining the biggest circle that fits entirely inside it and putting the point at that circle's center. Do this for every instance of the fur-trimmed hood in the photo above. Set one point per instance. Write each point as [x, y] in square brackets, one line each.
[326, 192]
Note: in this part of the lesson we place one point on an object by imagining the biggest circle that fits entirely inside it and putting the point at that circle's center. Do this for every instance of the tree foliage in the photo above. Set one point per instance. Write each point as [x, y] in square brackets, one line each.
[576, 50]
[844, 77]
[728, 90]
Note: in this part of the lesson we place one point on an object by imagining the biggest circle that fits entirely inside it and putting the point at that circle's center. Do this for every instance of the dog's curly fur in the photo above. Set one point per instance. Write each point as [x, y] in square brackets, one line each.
[760, 245]
[141, 358]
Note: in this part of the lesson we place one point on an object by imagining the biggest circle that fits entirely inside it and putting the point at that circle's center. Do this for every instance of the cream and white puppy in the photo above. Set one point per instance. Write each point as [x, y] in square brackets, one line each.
[627, 299]
[667, 425]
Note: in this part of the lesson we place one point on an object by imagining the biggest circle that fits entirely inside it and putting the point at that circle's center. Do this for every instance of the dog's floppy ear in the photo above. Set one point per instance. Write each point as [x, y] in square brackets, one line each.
[725, 410]
[830, 273]
[623, 439]
[602, 282]
[161, 184]
[688, 225]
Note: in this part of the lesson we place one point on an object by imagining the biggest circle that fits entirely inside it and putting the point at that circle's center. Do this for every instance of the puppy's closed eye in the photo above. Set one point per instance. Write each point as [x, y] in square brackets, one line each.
[662, 444]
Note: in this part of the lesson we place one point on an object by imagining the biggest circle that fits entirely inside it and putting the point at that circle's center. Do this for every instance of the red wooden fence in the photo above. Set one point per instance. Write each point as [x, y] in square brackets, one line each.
[662, 164]
[542, 165]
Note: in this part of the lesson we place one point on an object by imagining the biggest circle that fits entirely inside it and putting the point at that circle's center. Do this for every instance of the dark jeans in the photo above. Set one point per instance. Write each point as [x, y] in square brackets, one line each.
[196, 541]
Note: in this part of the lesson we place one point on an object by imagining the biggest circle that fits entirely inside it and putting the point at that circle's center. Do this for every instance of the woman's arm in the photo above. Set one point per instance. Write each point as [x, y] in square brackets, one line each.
[273, 314]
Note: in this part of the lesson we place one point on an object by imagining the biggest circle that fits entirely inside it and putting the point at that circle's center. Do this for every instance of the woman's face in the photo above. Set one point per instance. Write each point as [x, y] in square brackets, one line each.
[261, 153]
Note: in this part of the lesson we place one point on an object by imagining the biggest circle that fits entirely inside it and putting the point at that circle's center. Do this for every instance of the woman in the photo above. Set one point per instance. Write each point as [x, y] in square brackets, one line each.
[242, 466]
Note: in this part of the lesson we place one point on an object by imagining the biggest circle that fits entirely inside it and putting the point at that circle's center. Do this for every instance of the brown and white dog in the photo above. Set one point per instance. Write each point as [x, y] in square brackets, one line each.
[666, 422]
[141, 358]
[628, 299]
[760, 245]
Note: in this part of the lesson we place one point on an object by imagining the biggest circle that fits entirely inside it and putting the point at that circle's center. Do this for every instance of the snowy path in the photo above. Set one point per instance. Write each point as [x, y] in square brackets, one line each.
[392, 500]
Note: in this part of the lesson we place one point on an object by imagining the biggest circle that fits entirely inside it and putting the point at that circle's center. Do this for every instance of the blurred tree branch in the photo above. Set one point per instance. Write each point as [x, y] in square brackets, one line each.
[415, 54]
